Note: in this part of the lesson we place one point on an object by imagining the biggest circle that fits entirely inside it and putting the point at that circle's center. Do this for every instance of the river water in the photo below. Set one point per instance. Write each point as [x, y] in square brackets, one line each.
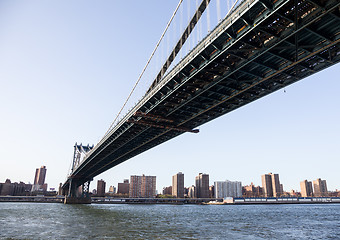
[127, 221]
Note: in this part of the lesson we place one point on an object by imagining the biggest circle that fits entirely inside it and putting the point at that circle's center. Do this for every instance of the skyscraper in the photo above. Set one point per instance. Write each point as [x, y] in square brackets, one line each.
[224, 189]
[39, 179]
[40, 174]
[271, 185]
[320, 188]
[192, 192]
[202, 186]
[306, 189]
[101, 184]
[148, 186]
[178, 185]
[142, 186]
[135, 186]
[267, 185]
[276, 185]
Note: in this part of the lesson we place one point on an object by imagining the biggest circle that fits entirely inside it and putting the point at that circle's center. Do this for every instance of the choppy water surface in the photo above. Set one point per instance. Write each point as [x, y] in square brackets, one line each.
[58, 221]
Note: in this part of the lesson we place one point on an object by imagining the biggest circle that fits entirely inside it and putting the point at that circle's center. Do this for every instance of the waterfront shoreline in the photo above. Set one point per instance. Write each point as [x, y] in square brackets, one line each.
[178, 201]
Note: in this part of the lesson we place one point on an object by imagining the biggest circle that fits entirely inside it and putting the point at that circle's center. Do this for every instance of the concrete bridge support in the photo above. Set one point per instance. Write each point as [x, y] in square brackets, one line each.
[78, 193]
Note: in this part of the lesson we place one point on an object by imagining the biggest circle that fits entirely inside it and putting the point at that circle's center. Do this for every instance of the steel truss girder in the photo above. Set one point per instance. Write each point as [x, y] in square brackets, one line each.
[267, 92]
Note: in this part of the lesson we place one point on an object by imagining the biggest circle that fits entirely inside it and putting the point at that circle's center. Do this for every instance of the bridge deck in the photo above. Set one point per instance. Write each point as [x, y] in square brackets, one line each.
[257, 50]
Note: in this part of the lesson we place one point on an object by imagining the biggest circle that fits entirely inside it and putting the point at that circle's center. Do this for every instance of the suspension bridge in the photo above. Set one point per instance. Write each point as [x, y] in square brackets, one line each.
[259, 47]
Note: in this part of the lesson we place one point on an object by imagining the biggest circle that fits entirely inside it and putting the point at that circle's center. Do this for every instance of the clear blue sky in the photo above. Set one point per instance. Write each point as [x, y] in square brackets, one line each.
[66, 68]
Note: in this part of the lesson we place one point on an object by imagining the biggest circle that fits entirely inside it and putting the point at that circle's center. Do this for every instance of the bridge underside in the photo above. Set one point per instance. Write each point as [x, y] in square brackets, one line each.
[265, 46]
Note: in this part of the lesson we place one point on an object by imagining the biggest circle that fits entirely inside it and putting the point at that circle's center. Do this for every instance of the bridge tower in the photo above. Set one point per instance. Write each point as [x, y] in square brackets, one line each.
[77, 191]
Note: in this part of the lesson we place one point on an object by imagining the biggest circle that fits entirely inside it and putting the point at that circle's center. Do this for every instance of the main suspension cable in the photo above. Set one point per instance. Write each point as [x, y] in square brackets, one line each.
[147, 64]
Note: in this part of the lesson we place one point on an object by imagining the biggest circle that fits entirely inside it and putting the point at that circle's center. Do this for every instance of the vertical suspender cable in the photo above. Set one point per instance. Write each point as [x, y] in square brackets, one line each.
[188, 13]
[231, 7]
[197, 17]
[167, 46]
[208, 16]
[218, 8]
[175, 32]
[200, 31]
[228, 6]
[180, 29]
[147, 64]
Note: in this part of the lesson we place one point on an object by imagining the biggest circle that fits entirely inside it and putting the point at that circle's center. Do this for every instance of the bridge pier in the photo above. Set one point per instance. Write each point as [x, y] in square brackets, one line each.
[78, 193]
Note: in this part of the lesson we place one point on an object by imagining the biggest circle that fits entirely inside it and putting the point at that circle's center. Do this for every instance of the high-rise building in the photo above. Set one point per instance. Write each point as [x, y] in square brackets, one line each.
[306, 189]
[148, 186]
[192, 192]
[271, 185]
[40, 174]
[39, 179]
[276, 185]
[202, 186]
[178, 185]
[135, 186]
[224, 189]
[320, 188]
[123, 188]
[101, 184]
[267, 185]
[142, 186]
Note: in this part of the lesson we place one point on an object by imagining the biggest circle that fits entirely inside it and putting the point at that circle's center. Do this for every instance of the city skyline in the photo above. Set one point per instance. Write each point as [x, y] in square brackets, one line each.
[178, 179]
[306, 188]
[220, 189]
[51, 66]
[145, 186]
